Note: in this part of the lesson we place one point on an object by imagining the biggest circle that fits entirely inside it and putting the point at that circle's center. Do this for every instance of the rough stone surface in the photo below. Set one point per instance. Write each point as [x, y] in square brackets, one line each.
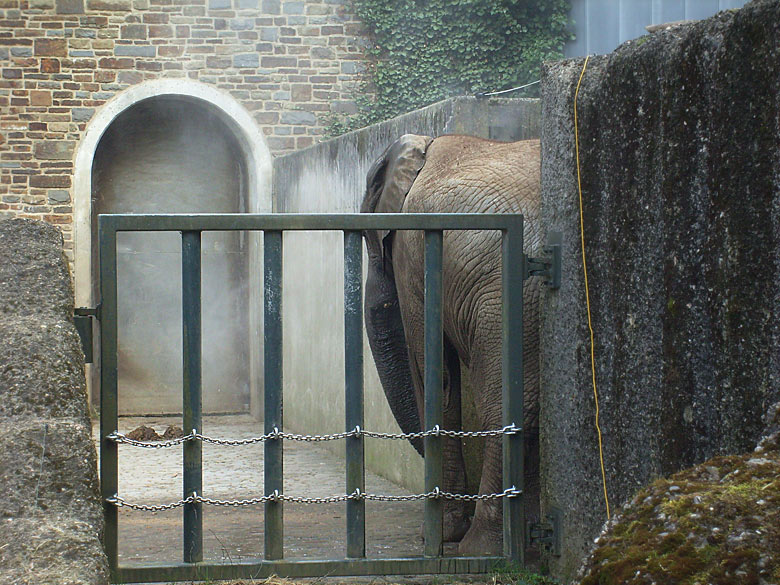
[41, 375]
[50, 549]
[717, 523]
[50, 513]
[63, 472]
[31, 261]
[678, 144]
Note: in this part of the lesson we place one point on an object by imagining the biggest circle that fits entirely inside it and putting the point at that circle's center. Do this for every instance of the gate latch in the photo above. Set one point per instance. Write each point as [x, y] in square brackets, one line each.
[549, 265]
[82, 318]
[546, 534]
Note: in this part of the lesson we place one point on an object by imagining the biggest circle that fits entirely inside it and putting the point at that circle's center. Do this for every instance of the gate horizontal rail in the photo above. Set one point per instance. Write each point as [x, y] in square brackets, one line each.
[191, 226]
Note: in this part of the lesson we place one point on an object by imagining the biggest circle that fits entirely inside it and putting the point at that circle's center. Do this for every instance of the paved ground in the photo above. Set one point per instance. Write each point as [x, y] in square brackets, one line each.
[153, 476]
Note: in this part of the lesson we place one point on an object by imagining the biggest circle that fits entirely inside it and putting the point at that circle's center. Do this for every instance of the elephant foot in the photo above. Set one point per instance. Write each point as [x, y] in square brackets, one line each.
[480, 540]
[455, 525]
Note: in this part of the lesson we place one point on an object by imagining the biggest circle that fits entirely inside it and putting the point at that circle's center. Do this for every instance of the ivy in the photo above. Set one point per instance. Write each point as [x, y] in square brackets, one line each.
[423, 51]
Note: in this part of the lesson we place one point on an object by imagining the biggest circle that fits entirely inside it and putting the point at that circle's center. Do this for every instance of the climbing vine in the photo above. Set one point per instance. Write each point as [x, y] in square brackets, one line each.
[423, 51]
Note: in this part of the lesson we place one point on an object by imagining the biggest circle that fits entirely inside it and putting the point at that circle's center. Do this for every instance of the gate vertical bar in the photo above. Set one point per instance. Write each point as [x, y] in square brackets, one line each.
[433, 388]
[191, 396]
[513, 273]
[108, 386]
[274, 449]
[353, 390]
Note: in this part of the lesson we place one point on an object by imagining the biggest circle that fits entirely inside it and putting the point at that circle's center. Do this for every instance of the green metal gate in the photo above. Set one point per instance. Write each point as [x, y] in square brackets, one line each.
[516, 267]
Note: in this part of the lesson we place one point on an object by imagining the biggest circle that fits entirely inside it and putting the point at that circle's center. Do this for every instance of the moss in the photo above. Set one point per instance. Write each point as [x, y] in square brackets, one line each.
[717, 523]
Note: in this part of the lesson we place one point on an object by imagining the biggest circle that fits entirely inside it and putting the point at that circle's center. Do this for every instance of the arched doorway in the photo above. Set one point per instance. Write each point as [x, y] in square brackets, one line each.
[176, 152]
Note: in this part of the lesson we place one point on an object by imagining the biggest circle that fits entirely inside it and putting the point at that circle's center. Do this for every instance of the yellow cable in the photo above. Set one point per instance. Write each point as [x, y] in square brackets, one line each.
[587, 292]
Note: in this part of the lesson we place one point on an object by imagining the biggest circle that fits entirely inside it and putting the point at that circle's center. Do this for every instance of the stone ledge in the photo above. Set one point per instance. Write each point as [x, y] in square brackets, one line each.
[51, 519]
[26, 467]
[51, 550]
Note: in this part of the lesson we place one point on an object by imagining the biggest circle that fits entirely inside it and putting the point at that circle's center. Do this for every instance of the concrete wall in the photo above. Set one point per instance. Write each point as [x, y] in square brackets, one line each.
[330, 177]
[51, 518]
[679, 157]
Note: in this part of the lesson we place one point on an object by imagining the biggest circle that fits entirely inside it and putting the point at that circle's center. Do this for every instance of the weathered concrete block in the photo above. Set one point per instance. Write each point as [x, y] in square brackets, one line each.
[31, 259]
[42, 365]
[678, 156]
[51, 517]
[47, 465]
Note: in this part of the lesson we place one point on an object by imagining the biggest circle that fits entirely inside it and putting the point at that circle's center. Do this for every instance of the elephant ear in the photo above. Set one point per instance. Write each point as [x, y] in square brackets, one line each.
[392, 175]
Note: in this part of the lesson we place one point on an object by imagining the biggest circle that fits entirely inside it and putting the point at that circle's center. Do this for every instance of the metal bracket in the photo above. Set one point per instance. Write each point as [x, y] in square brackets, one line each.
[82, 318]
[546, 534]
[548, 266]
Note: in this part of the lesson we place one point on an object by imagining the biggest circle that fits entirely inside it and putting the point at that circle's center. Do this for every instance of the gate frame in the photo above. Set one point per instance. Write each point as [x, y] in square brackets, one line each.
[515, 269]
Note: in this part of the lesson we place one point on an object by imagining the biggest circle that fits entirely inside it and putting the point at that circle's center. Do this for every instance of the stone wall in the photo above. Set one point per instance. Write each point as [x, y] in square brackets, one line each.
[51, 518]
[288, 62]
[679, 154]
[330, 178]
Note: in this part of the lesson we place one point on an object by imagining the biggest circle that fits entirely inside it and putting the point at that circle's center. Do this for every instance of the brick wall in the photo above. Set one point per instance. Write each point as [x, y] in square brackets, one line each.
[289, 62]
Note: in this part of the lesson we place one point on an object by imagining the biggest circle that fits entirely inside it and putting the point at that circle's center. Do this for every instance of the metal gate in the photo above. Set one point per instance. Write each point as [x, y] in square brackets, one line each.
[516, 268]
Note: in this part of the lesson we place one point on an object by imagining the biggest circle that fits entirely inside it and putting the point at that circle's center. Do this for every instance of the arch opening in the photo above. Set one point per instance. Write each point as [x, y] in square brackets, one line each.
[192, 150]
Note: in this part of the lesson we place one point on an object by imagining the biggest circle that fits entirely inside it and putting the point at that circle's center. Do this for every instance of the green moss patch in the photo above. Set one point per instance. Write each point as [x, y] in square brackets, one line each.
[717, 523]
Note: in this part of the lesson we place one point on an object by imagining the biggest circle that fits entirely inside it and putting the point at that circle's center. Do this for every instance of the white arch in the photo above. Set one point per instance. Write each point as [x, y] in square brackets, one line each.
[236, 117]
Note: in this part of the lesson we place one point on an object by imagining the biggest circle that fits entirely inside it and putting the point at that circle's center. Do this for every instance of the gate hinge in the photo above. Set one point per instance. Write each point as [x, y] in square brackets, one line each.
[546, 534]
[82, 318]
[549, 265]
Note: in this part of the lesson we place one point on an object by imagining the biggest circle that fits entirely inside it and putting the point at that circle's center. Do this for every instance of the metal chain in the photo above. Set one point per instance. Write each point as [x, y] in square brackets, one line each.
[436, 493]
[118, 437]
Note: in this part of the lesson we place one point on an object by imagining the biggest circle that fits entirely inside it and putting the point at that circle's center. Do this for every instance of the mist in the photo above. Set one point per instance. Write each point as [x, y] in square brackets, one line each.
[171, 155]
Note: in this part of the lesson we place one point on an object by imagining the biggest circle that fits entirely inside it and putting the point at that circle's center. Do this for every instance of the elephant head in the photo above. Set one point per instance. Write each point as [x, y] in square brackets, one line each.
[388, 182]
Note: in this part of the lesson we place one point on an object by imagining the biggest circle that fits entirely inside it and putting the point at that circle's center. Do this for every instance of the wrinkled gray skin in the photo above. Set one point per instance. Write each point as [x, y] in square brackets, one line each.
[459, 174]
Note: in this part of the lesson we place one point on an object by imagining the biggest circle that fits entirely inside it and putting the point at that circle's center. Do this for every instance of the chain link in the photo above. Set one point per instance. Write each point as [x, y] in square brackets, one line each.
[118, 437]
[436, 493]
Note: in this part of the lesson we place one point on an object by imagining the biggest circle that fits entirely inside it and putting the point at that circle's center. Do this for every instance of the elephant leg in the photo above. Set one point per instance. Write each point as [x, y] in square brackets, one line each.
[486, 532]
[455, 513]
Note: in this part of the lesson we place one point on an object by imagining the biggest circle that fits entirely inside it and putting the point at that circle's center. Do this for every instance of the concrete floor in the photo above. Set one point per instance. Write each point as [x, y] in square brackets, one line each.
[153, 476]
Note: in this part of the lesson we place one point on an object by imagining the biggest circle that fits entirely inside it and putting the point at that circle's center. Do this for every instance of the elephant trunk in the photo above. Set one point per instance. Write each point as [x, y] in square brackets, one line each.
[385, 331]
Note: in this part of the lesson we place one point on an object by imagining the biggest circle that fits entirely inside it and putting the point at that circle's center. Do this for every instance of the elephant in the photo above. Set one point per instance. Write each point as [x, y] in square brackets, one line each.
[454, 174]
